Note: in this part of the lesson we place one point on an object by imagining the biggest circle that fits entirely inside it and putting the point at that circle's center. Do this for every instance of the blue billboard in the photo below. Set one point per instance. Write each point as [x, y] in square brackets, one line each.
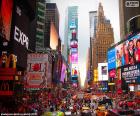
[111, 59]
[125, 53]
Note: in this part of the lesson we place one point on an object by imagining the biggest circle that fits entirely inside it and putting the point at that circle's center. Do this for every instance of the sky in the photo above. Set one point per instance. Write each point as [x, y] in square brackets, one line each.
[111, 11]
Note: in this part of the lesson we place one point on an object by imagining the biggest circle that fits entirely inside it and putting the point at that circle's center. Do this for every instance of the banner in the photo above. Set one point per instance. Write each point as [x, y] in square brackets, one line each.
[131, 73]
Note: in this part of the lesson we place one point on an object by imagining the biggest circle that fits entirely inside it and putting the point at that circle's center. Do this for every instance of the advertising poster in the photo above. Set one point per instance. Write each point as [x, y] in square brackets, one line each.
[131, 73]
[102, 71]
[111, 59]
[128, 52]
[37, 70]
[6, 8]
[63, 73]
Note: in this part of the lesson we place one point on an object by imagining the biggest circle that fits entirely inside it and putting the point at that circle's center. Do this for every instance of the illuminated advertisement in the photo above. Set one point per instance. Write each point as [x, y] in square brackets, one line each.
[53, 37]
[112, 73]
[74, 44]
[111, 59]
[131, 73]
[74, 58]
[63, 73]
[74, 50]
[102, 72]
[38, 70]
[6, 8]
[126, 53]
[74, 69]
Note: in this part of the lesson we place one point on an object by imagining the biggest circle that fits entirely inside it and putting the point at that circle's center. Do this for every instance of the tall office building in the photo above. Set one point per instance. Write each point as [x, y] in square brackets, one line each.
[71, 41]
[129, 16]
[40, 25]
[103, 38]
[93, 22]
[52, 15]
[71, 22]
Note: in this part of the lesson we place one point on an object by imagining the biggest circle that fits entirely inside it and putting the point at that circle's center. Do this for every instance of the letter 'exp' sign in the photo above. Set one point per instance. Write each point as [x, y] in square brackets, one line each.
[20, 37]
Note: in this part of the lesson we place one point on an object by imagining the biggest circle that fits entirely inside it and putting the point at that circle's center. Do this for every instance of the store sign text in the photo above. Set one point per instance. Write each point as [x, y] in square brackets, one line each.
[20, 37]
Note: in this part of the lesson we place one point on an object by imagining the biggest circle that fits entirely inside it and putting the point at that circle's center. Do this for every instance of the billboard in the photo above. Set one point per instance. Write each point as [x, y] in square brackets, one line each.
[38, 70]
[102, 71]
[74, 43]
[125, 53]
[74, 58]
[74, 50]
[131, 73]
[6, 8]
[63, 73]
[53, 37]
[111, 59]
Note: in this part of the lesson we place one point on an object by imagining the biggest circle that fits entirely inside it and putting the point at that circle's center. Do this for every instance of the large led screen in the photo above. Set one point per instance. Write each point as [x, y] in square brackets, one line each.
[6, 8]
[111, 59]
[131, 73]
[74, 58]
[128, 52]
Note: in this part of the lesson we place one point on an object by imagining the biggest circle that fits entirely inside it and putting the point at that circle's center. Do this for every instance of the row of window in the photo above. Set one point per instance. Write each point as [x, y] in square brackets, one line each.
[40, 19]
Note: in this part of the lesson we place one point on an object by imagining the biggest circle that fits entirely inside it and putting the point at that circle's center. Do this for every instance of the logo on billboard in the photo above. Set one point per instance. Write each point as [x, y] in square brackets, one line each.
[132, 3]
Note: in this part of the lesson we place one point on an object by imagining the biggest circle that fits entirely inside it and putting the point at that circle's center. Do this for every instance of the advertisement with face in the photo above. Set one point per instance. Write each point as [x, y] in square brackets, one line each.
[128, 52]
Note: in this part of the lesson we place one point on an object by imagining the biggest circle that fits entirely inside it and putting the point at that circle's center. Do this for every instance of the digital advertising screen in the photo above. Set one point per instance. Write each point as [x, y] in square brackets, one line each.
[102, 71]
[63, 73]
[111, 59]
[128, 52]
[6, 8]
[131, 73]
[74, 58]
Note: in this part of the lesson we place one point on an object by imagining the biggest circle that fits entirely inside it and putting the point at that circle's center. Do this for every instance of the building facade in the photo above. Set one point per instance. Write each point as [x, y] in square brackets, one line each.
[40, 24]
[93, 24]
[102, 40]
[129, 10]
[51, 15]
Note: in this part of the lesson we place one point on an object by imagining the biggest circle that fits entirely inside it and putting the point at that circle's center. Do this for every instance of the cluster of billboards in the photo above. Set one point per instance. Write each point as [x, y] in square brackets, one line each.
[38, 70]
[126, 55]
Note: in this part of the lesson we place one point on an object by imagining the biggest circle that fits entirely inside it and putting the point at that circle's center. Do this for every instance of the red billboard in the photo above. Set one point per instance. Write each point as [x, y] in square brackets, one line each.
[6, 8]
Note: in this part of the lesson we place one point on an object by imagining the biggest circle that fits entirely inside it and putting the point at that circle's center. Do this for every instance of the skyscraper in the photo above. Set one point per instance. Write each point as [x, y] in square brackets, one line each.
[52, 15]
[93, 22]
[103, 38]
[71, 42]
[71, 23]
